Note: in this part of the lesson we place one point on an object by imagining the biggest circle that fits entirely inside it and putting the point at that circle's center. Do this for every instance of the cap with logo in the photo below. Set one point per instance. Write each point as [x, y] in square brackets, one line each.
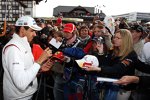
[28, 21]
[58, 56]
[88, 60]
[69, 27]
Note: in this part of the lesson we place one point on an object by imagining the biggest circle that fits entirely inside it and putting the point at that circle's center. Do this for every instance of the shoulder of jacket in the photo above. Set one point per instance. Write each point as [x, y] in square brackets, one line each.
[10, 44]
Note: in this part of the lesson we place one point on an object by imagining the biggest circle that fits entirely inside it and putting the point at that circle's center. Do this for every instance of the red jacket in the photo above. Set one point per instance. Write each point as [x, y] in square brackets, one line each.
[37, 51]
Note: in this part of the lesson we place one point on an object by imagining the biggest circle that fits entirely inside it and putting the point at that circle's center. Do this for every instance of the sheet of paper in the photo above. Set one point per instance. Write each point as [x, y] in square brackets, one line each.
[106, 79]
[54, 43]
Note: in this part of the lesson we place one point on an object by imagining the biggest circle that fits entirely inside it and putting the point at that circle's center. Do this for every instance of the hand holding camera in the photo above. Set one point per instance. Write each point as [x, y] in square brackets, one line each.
[106, 33]
[100, 48]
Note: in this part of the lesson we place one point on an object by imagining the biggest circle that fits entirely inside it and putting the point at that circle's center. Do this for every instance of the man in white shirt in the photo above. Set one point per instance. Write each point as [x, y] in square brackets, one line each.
[20, 69]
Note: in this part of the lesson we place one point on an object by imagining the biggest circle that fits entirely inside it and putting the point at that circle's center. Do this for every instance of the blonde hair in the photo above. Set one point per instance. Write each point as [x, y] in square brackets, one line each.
[127, 43]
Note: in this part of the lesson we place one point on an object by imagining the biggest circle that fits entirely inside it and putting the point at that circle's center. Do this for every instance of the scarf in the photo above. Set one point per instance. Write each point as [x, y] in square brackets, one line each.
[85, 39]
[69, 43]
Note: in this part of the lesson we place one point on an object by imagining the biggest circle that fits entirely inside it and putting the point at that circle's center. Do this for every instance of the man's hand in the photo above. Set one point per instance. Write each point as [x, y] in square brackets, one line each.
[44, 56]
[47, 66]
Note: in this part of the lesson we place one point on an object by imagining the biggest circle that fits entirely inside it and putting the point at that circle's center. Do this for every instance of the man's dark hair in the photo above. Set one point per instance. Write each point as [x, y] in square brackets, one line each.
[17, 28]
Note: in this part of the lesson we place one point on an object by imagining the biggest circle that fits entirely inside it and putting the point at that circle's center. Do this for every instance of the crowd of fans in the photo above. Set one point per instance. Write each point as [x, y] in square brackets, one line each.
[87, 51]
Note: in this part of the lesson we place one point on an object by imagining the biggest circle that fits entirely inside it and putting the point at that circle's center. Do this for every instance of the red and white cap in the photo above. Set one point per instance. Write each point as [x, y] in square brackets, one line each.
[28, 21]
[58, 55]
[88, 60]
[69, 27]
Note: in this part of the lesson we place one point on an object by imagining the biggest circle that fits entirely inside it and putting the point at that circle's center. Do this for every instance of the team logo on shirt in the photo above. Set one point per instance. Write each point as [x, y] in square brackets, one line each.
[126, 62]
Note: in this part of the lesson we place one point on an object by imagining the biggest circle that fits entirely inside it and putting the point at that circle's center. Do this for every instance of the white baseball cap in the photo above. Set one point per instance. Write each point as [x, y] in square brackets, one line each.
[88, 60]
[28, 21]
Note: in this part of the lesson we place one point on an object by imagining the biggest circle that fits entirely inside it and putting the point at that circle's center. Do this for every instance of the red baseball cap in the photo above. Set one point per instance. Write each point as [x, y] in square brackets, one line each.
[58, 55]
[58, 21]
[69, 27]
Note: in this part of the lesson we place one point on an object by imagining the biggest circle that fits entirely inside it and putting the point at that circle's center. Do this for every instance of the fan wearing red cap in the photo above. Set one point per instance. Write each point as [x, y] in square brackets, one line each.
[70, 40]
[69, 28]
[59, 22]
[70, 35]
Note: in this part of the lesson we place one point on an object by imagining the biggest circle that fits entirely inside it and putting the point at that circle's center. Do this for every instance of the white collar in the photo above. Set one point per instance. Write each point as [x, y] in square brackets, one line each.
[23, 41]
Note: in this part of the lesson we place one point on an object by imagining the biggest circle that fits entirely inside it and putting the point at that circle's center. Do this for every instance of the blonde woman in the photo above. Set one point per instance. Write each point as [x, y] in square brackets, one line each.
[117, 63]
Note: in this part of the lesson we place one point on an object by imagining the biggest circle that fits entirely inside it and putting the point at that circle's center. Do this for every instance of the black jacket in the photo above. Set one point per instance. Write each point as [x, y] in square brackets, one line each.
[113, 67]
[144, 82]
[141, 66]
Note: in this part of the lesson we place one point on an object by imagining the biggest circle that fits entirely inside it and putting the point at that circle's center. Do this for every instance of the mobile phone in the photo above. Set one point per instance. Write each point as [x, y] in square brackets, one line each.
[100, 40]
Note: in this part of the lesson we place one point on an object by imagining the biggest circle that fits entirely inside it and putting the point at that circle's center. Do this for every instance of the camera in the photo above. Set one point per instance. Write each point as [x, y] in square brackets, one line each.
[99, 40]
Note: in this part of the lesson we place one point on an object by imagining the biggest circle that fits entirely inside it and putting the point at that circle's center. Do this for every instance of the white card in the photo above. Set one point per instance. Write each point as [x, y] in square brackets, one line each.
[54, 43]
[106, 79]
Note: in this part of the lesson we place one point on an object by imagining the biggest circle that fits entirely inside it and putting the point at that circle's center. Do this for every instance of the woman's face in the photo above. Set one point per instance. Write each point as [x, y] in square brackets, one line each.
[117, 40]
[98, 32]
[84, 33]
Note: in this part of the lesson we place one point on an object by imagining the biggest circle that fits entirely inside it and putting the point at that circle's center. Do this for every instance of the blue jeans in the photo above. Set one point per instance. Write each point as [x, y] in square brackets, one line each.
[111, 92]
[58, 86]
[80, 88]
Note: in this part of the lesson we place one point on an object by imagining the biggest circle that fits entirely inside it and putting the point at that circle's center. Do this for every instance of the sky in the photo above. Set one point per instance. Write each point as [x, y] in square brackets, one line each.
[112, 7]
